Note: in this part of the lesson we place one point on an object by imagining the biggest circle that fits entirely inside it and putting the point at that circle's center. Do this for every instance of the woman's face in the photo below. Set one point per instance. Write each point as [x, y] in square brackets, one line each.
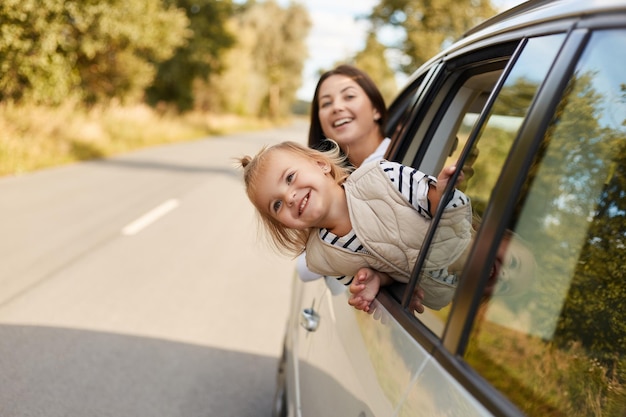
[346, 113]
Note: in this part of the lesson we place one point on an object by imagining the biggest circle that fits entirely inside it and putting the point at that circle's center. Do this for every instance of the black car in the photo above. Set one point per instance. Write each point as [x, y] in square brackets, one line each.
[532, 105]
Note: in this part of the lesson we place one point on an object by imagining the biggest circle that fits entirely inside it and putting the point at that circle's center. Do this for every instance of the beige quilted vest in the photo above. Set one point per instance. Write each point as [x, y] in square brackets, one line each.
[392, 232]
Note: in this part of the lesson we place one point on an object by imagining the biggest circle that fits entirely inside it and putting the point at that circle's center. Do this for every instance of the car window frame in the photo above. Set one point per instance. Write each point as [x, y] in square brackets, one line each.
[439, 74]
[500, 209]
[451, 73]
[394, 297]
[408, 104]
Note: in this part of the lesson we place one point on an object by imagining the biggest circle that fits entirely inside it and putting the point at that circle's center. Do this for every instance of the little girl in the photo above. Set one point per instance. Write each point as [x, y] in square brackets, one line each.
[369, 223]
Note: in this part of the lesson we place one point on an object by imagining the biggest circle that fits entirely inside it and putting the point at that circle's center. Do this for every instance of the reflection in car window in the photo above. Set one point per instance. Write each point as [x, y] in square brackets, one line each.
[556, 346]
[494, 140]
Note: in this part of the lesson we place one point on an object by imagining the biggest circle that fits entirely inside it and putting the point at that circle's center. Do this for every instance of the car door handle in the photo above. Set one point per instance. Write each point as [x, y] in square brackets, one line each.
[309, 319]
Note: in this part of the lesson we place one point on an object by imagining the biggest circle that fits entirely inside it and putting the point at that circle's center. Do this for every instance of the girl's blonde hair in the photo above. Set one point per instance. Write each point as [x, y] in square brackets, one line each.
[281, 237]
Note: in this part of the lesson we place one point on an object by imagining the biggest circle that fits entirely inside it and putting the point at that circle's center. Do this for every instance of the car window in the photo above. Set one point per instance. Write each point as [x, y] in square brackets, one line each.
[551, 333]
[455, 85]
[490, 146]
[404, 108]
[400, 109]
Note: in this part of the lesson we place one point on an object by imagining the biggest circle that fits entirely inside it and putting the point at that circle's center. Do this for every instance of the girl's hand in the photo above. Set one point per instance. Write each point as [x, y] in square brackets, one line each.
[364, 288]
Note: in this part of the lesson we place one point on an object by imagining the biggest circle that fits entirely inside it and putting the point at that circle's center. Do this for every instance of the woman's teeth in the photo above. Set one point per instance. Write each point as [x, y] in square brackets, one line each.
[341, 122]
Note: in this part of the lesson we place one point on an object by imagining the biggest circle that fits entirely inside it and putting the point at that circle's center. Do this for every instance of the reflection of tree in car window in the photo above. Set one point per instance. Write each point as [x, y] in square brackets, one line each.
[572, 211]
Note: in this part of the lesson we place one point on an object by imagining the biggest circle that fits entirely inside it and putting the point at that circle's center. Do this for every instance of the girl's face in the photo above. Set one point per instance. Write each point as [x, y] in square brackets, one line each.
[513, 270]
[345, 111]
[295, 190]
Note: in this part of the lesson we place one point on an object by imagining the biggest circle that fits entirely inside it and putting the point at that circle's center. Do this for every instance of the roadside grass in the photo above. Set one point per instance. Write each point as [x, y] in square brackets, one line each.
[547, 380]
[35, 137]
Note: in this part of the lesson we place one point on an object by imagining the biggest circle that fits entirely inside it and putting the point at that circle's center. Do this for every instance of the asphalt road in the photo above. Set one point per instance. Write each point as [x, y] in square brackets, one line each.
[137, 286]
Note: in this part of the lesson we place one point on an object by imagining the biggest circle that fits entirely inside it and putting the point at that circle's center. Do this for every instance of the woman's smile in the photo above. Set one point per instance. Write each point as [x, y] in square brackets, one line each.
[342, 121]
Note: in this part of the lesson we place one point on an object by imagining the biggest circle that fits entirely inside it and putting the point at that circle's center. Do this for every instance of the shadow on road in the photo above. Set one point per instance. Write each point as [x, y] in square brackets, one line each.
[53, 372]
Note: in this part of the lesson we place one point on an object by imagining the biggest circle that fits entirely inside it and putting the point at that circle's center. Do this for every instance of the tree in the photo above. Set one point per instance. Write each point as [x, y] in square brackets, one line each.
[33, 64]
[575, 215]
[264, 69]
[284, 57]
[596, 321]
[200, 57]
[95, 50]
[427, 26]
[372, 60]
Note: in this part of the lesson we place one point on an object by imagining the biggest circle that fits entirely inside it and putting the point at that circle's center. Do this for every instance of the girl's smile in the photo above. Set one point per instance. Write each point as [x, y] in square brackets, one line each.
[297, 191]
[305, 200]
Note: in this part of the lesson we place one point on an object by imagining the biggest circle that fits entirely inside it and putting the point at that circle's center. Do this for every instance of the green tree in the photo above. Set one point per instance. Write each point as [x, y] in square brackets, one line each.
[427, 26]
[264, 69]
[286, 59]
[200, 57]
[597, 321]
[95, 50]
[572, 186]
[372, 60]
[33, 60]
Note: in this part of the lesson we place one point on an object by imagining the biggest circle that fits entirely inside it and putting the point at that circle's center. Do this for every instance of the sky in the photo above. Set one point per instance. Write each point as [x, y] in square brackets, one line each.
[336, 34]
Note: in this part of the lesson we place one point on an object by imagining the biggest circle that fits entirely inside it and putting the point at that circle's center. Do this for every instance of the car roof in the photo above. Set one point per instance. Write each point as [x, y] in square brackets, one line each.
[529, 14]
[539, 11]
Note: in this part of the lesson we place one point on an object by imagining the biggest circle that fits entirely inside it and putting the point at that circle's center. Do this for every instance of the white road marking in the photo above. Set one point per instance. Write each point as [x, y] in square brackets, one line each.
[150, 217]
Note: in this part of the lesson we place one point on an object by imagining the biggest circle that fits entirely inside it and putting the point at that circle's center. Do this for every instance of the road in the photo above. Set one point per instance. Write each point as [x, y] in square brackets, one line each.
[138, 286]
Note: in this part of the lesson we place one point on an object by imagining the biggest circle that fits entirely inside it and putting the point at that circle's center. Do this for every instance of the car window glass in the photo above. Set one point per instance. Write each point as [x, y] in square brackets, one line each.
[403, 107]
[551, 332]
[487, 156]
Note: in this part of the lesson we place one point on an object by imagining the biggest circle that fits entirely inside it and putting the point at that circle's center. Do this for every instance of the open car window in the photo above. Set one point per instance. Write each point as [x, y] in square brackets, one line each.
[480, 125]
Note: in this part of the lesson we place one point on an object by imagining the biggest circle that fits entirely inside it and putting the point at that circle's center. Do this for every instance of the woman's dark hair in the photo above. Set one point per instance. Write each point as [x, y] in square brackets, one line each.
[316, 135]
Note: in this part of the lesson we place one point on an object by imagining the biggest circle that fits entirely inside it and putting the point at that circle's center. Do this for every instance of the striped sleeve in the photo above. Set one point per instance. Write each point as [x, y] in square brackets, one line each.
[458, 199]
[412, 184]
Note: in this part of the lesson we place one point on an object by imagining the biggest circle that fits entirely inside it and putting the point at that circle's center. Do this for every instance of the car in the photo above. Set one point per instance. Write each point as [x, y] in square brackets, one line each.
[532, 105]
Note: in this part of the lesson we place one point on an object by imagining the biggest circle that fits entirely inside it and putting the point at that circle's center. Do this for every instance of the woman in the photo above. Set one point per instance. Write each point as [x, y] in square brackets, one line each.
[348, 108]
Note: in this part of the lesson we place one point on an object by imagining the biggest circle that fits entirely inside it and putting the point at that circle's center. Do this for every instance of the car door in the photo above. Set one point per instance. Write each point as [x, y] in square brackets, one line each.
[541, 144]
[350, 363]
[557, 313]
